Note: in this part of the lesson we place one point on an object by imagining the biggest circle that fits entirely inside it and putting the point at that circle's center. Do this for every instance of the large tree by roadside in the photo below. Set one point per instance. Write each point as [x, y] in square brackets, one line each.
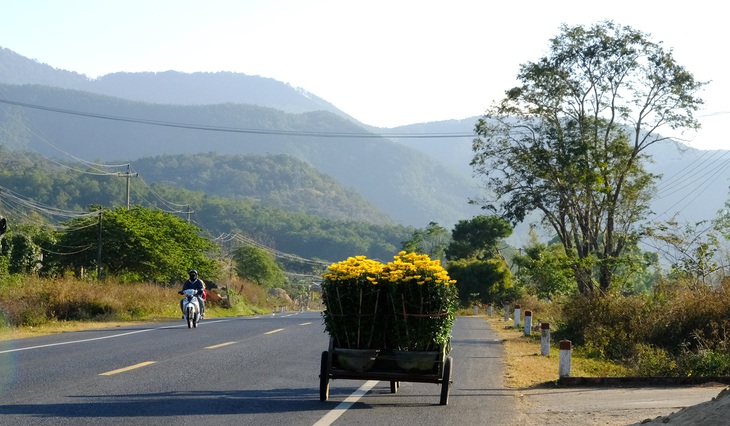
[258, 265]
[136, 244]
[569, 142]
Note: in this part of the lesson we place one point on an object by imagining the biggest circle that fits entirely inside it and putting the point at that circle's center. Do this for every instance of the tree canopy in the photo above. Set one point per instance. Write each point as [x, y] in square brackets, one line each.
[257, 265]
[140, 243]
[477, 238]
[569, 142]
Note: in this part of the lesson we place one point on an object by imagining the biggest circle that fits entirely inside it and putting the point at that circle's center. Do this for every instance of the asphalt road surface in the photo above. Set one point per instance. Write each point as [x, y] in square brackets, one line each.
[243, 371]
[265, 371]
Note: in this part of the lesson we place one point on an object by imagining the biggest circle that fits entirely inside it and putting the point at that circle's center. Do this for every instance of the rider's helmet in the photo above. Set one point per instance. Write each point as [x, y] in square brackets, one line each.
[193, 273]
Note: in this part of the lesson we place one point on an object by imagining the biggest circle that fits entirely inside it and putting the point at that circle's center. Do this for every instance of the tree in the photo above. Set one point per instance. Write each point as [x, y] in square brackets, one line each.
[489, 281]
[432, 241]
[570, 141]
[477, 238]
[691, 249]
[257, 265]
[544, 269]
[140, 243]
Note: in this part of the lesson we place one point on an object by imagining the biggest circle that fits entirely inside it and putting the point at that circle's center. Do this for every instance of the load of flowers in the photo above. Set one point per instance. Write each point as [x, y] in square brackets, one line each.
[422, 303]
[353, 300]
[407, 304]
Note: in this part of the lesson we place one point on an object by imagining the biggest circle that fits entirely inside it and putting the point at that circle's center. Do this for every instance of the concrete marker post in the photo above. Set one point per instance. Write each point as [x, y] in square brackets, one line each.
[489, 310]
[528, 323]
[545, 339]
[506, 312]
[518, 316]
[476, 310]
[564, 361]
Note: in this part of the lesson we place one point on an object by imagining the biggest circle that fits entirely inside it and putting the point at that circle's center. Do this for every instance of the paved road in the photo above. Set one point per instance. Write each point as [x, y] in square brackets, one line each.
[261, 371]
[265, 371]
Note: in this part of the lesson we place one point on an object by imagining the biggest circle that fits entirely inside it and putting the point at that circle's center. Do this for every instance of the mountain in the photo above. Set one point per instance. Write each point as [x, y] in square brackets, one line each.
[170, 87]
[412, 188]
[129, 116]
[693, 184]
[273, 180]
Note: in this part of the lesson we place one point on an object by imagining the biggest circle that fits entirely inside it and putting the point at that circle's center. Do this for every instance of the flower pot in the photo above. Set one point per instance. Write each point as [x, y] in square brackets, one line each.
[416, 360]
[357, 360]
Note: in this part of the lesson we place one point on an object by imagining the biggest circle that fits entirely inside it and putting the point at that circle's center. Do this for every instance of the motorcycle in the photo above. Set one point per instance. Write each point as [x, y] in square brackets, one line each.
[191, 307]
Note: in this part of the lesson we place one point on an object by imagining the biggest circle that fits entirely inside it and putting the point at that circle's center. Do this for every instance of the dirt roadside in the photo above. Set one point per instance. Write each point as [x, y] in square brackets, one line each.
[612, 405]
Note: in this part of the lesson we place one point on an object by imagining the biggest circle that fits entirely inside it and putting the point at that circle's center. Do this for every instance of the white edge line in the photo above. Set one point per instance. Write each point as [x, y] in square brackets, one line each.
[333, 415]
[96, 338]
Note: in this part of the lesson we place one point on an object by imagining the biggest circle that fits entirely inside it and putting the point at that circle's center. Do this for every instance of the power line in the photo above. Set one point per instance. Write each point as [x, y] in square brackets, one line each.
[363, 135]
[226, 238]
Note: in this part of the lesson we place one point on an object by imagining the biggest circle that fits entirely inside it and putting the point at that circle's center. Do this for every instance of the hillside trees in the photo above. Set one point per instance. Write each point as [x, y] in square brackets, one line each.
[138, 244]
[432, 241]
[570, 141]
[257, 265]
[296, 232]
[480, 271]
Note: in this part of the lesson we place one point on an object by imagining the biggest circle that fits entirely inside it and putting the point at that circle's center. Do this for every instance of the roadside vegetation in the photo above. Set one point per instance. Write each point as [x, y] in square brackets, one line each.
[31, 306]
[565, 150]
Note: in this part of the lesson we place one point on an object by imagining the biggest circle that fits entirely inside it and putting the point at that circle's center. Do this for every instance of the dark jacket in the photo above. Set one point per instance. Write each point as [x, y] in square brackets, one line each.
[196, 284]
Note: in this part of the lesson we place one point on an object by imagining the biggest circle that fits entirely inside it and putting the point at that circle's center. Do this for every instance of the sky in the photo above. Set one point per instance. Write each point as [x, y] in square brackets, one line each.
[386, 63]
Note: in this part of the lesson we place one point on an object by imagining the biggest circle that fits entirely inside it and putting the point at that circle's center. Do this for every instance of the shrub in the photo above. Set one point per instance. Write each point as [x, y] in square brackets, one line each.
[650, 361]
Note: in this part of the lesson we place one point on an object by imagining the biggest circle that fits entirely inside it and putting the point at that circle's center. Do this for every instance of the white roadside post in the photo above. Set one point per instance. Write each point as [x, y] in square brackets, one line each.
[506, 312]
[517, 316]
[476, 310]
[564, 361]
[545, 339]
[528, 323]
[489, 310]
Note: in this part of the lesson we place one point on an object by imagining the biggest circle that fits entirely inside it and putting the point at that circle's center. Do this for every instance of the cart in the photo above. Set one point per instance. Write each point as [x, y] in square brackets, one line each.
[386, 365]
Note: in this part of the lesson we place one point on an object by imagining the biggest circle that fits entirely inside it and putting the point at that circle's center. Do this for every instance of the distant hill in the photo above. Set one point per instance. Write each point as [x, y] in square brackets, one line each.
[410, 187]
[169, 87]
[276, 180]
[694, 183]
[44, 192]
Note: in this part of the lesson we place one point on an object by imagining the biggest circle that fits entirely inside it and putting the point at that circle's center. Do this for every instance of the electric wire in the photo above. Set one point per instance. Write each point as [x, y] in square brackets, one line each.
[319, 134]
[42, 137]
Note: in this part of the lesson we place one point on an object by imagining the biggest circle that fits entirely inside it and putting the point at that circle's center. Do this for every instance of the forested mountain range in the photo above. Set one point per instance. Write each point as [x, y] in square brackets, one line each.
[409, 186]
[170, 87]
[278, 180]
[412, 180]
[37, 190]
[693, 184]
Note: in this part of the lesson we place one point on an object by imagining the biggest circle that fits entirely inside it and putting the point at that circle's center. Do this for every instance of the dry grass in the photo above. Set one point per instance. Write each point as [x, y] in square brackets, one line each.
[31, 306]
[527, 368]
[10, 333]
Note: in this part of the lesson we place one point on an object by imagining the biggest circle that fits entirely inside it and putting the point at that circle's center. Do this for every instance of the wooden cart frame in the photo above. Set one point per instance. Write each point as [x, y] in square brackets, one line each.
[385, 369]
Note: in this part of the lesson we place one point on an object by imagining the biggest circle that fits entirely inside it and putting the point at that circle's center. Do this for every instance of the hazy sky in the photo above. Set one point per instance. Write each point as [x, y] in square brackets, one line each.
[386, 63]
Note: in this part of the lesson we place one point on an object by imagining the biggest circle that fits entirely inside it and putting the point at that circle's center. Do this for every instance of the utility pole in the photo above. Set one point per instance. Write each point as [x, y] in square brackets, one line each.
[189, 212]
[128, 175]
[98, 250]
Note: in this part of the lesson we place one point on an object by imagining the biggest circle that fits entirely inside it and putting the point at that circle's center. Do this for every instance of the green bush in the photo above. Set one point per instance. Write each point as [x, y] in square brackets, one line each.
[607, 326]
[704, 363]
[650, 361]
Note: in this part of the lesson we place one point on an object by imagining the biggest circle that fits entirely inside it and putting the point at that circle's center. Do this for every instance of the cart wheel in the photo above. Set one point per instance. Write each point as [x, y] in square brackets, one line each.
[324, 379]
[394, 386]
[446, 384]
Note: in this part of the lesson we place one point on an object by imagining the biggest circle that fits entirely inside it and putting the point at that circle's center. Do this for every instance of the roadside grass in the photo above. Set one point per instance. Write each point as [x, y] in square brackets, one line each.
[527, 368]
[31, 306]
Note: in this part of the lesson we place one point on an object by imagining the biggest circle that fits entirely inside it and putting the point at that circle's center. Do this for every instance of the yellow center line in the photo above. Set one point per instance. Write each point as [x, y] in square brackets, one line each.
[131, 367]
[221, 345]
[305, 323]
[274, 331]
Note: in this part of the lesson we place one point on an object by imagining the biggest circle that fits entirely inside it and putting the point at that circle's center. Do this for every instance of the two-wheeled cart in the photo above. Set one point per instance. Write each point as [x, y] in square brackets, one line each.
[386, 365]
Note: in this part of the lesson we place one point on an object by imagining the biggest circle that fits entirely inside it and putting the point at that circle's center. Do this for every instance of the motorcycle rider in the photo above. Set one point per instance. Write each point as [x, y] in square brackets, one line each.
[195, 283]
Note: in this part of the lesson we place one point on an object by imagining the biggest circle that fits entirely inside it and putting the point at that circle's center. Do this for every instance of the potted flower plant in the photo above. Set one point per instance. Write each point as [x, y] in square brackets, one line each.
[422, 302]
[353, 314]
